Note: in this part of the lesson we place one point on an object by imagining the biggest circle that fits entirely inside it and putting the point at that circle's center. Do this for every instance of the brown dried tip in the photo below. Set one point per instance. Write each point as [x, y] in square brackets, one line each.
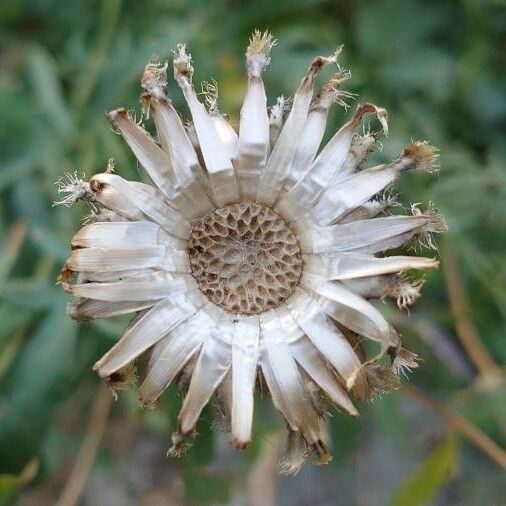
[381, 380]
[423, 156]
[331, 93]
[65, 276]
[95, 185]
[368, 108]
[121, 379]
[180, 444]
[316, 66]
[183, 69]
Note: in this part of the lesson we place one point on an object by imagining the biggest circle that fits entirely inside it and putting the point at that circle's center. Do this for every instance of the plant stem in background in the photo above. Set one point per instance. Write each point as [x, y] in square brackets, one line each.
[84, 463]
[488, 370]
[460, 424]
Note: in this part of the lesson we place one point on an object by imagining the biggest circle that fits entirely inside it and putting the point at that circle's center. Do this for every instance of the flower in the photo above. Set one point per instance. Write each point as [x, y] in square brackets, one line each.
[250, 260]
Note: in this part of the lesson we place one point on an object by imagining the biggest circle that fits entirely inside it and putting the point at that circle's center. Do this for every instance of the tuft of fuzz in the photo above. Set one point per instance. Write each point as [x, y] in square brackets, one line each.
[404, 362]
[154, 78]
[421, 156]
[73, 188]
[210, 93]
[436, 225]
[121, 380]
[404, 291]
[381, 380]
[331, 93]
[258, 52]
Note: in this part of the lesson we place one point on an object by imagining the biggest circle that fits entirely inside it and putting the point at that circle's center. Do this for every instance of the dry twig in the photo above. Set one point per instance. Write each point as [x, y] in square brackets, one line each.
[460, 424]
[96, 426]
[466, 331]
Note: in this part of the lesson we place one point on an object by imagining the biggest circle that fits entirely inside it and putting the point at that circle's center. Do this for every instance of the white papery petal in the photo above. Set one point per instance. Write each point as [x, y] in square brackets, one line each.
[172, 353]
[352, 311]
[327, 338]
[310, 359]
[114, 192]
[366, 236]
[314, 129]
[276, 117]
[254, 123]
[288, 392]
[218, 164]
[110, 276]
[123, 234]
[173, 138]
[301, 197]
[89, 309]
[150, 328]
[360, 149]
[212, 365]
[274, 174]
[244, 371]
[346, 195]
[368, 287]
[157, 285]
[157, 163]
[147, 257]
[226, 133]
[340, 266]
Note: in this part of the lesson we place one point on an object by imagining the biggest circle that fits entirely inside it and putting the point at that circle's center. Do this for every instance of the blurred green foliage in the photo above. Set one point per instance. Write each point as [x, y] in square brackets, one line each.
[437, 66]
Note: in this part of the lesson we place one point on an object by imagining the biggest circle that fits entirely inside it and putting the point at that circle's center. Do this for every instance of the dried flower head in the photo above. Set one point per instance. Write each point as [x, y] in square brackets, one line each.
[251, 259]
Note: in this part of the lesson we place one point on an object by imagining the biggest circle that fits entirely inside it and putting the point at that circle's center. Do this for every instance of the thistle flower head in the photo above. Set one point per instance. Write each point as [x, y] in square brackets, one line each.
[251, 258]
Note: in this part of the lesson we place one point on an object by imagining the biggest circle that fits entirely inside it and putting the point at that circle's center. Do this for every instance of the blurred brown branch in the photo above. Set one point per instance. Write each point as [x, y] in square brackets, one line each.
[84, 462]
[489, 371]
[460, 424]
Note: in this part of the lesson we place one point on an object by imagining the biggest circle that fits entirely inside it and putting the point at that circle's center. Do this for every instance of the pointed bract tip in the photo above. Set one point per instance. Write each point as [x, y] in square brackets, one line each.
[183, 69]
[154, 78]
[368, 108]
[315, 68]
[331, 93]
[121, 379]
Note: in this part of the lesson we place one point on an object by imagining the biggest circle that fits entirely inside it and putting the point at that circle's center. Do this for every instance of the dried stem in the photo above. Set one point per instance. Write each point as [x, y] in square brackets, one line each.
[13, 244]
[464, 327]
[460, 424]
[96, 426]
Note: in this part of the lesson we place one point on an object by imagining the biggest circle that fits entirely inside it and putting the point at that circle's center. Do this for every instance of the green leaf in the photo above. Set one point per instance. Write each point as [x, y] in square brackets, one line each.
[10, 484]
[422, 485]
[37, 381]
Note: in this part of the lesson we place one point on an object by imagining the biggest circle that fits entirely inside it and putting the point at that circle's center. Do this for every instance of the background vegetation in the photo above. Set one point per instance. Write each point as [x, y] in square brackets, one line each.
[438, 66]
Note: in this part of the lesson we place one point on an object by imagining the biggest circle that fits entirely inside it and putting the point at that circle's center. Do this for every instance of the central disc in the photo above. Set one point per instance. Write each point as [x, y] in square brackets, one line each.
[244, 257]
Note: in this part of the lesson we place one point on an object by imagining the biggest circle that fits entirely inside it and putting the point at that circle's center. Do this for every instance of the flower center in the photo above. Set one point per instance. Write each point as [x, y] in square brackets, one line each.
[244, 257]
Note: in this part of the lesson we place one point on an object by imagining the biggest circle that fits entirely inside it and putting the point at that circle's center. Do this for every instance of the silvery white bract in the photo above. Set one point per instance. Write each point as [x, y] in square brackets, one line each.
[250, 259]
